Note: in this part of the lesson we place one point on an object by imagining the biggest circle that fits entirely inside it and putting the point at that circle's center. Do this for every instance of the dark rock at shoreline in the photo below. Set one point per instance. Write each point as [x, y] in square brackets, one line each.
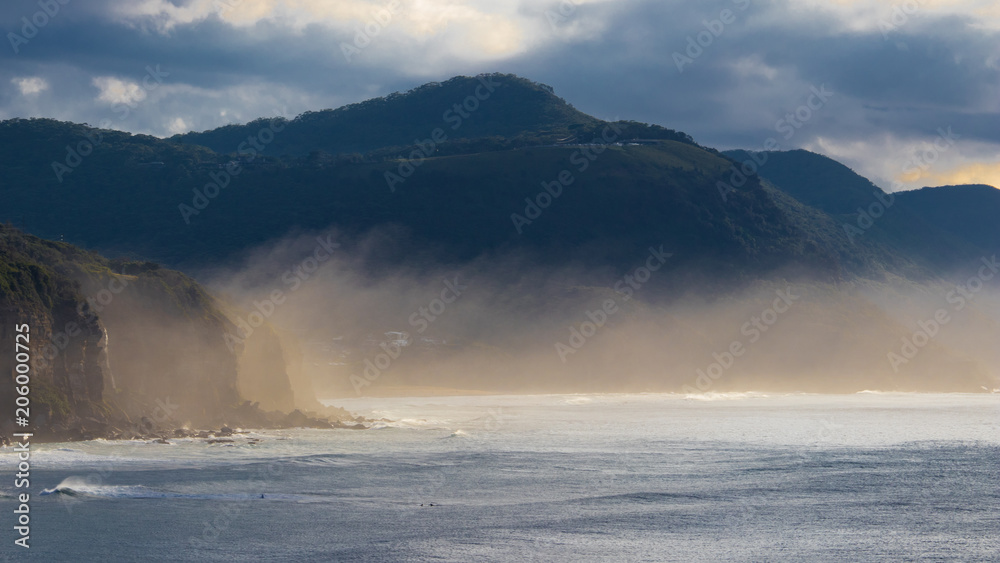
[359, 426]
[247, 415]
[299, 419]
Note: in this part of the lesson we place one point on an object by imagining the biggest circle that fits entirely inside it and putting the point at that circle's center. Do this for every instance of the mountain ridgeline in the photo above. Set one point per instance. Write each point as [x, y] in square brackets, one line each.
[463, 175]
[939, 229]
[501, 109]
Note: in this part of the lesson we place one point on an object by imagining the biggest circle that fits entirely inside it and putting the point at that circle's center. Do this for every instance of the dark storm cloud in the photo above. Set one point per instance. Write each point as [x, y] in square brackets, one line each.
[934, 71]
[929, 74]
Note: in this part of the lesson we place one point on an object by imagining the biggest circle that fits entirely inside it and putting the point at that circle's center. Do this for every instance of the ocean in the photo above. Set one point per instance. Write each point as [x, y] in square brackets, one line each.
[602, 477]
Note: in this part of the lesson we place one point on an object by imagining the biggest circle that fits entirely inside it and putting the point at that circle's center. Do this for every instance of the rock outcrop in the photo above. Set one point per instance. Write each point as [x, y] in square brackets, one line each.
[122, 349]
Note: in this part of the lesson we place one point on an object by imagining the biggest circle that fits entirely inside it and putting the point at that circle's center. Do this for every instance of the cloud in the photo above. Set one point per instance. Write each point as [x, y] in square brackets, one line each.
[30, 85]
[178, 125]
[972, 173]
[476, 29]
[117, 91]
[935, 65]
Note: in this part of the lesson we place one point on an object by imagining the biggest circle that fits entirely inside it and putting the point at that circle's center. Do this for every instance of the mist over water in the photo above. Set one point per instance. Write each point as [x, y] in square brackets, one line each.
[509, 323]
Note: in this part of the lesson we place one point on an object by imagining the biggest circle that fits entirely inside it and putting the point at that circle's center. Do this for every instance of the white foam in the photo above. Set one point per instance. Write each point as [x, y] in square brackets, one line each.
[731, 396]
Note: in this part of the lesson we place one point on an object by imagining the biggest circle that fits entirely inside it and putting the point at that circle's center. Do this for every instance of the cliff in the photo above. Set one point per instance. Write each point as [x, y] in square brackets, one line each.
[121, 348]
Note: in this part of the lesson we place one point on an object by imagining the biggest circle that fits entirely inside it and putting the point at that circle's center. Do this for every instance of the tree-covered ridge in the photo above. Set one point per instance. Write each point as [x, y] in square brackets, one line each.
[510, 110]
[620, 185]
[937, 229]
[465, 204]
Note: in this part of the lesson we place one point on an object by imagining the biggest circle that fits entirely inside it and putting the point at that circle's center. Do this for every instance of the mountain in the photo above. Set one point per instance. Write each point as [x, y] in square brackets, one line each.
[524, 173]
[121, 348]
[813, 179]
[967, 212]
[146, 198]
[187, 206]
[498, 106]
[551, 207]
[903, 223]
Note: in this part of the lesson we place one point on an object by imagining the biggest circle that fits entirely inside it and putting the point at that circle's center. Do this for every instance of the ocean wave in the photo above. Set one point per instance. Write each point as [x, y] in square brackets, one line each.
[82, 488]
[728, 396]
[412, 424]
[322, 460]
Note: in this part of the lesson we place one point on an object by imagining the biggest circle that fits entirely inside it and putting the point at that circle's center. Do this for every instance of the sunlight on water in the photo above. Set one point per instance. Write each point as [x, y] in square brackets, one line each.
[739, 476]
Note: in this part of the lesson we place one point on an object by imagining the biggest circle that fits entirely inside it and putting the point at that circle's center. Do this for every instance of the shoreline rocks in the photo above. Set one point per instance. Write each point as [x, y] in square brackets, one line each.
[239, 421]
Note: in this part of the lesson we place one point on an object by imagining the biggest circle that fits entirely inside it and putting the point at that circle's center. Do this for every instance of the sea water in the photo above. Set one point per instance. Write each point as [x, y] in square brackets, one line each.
[633, 477]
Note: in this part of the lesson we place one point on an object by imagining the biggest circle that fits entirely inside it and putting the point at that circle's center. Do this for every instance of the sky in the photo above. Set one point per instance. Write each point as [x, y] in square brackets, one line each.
[906, 93]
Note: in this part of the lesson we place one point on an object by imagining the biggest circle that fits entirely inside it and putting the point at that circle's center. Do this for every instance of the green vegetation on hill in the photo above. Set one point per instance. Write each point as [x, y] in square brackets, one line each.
[481, 190]
[813, 179]
[617, 201]
[968, 212]
[40, 289]
[525, 176]
[911, 237]
[494, 110]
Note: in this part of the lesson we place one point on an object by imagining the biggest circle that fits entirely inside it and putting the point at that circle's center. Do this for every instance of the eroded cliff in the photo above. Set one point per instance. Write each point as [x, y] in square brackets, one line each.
[121, 348]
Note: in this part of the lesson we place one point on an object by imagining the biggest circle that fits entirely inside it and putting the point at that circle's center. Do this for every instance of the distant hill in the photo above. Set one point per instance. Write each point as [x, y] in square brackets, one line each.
[813, 179]
[931, 234]
[969, 212]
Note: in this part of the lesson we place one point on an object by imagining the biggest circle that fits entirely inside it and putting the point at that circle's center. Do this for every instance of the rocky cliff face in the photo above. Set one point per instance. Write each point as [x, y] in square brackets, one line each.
[123, 348]
[68, 373]
[165, 346]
